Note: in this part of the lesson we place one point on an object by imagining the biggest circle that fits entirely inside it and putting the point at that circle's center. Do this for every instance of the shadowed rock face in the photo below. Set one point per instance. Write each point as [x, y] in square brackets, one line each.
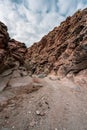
[63, 50]
[11, 51]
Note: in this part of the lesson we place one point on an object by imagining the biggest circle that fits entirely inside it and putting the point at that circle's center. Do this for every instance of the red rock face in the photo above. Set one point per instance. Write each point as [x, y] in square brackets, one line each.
[63, 50]
[11, 51]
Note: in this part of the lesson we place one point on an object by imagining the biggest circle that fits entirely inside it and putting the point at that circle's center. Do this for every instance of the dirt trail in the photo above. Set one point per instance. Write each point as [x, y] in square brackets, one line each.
[58, 105]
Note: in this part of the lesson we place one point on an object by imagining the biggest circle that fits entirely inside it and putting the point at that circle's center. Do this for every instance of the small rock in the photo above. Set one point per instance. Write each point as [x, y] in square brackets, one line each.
[77, 89]
[3, 101]
[42, 114]
[13, 127]
[6, 73]
[6, 116]
[12, 105]
[29, 112]
[23, 73]
[36, 85]
[33, 123]
[58, 78]
[42, 76]
[16, 74]
[67, 103]
[53, 78]
[4, 82]
[38, 112]
[22, 68]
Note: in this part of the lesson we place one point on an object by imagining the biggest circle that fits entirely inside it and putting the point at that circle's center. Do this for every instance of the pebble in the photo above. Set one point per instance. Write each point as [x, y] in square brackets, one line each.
[11, 105]
[42, 75]
[38, 112]
[13, 127]
[29, 101]
[29, 112]
[33, 123]
[36, 85]
[67, 103]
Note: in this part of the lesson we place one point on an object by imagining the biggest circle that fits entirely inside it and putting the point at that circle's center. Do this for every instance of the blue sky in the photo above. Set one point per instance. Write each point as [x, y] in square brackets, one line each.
[29, 20]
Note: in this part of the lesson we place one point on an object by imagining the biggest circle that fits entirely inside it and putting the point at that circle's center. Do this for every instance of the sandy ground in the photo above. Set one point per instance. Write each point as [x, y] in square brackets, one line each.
[58, 105]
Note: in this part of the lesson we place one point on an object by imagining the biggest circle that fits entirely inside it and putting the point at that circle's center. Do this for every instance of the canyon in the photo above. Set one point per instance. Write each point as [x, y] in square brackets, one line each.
[44, 87]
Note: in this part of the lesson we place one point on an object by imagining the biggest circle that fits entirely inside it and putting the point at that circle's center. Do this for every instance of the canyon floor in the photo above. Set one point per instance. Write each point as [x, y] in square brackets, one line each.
[43, 103]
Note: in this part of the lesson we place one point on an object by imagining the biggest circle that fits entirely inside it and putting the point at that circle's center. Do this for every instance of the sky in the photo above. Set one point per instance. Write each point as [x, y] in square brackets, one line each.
[29, 20]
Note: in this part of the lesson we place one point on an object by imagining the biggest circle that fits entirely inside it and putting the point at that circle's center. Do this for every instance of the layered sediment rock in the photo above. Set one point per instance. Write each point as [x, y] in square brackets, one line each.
[63, 50]
[11, 51]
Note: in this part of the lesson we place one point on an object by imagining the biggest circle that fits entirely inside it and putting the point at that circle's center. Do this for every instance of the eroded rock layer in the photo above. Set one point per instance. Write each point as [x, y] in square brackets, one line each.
[11, 51]
[63, 50]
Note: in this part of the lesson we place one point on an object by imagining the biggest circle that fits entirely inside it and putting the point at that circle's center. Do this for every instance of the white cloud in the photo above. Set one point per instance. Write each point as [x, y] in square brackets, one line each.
[29, 20]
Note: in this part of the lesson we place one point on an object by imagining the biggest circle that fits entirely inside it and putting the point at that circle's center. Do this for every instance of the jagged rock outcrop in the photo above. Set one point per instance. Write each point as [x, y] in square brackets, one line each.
[11, 51]
[14, 77]
[63, 50]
